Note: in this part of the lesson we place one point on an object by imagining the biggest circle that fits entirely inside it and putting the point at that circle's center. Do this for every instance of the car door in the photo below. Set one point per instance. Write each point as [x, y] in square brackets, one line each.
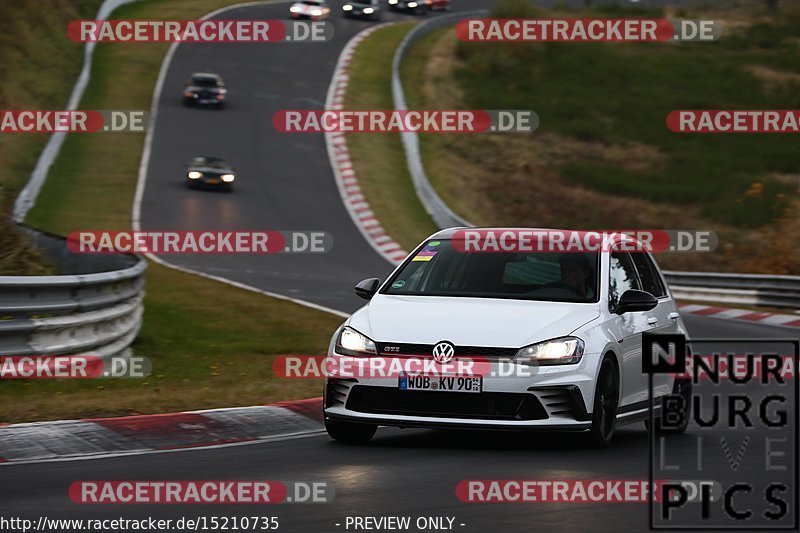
[629, 328]
[664, 318]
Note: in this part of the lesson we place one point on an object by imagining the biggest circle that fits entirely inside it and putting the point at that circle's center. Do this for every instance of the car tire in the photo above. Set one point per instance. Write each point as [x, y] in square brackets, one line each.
[606, 403]
[682, 387]
[350, 432]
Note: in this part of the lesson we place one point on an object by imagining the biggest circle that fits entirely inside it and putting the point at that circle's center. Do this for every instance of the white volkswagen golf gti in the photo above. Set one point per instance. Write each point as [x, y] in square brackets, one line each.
[557, 336]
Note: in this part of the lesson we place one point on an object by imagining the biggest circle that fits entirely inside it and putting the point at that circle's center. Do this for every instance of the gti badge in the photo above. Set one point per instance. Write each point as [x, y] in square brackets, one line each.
[443, 352]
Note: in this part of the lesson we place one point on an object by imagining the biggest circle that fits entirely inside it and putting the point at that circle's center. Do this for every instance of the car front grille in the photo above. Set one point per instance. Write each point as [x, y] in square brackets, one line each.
[485, 405]
[426, 350]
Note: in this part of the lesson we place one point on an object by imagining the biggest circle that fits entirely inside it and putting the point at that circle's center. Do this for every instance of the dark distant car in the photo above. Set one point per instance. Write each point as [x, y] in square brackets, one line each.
[204, 88]
[417, 7]
[368, 9]
[210, 172]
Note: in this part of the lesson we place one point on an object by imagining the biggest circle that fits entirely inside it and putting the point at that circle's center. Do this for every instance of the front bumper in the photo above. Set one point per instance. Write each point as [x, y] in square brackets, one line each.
[210, 101]
[548, 397]
[306, 16]
[202, 183]
[359, 13]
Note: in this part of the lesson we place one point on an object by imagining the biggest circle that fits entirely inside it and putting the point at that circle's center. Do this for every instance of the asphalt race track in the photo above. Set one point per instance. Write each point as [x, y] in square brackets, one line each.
[401, 472]
[284, 180]
[285, 183]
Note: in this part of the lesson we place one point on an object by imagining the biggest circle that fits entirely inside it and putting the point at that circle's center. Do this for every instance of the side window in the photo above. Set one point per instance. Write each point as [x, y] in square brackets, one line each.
[622, 277]
[651, 281]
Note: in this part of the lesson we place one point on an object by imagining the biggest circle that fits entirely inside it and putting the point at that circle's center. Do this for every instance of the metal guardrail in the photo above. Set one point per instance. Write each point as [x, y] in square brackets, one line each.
[742, 289]
[96, 307]
[442, 215]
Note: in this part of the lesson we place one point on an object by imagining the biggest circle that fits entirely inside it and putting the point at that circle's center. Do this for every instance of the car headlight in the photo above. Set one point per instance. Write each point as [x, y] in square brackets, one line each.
[412, 4]
[316, 13]
[392, 2]
[351, 342]
[194, 175]
[368, 10]
[227, 178]
[347, 7]
[294, 9]
[562, 351]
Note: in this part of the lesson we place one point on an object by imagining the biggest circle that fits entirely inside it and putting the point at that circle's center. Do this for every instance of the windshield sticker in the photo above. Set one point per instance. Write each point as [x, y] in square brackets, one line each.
[397, 284]
[424, 255]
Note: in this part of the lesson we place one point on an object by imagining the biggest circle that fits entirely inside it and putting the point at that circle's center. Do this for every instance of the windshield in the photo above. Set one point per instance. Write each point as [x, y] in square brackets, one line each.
[205, 81]
[438, 269]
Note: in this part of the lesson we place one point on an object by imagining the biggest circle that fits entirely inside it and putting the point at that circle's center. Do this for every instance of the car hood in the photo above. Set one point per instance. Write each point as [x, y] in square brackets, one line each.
[208, 170]
[469, 321]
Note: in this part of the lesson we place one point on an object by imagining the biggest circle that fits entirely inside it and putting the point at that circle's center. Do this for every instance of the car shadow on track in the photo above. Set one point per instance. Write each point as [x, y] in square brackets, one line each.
[633, 437]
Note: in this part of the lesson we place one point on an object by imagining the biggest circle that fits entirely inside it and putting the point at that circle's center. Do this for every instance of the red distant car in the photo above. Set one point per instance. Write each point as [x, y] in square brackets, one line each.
[437, 5]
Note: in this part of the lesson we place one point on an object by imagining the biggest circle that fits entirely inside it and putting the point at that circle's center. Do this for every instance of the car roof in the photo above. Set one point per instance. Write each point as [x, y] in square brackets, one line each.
[209, 75]
[209, 161]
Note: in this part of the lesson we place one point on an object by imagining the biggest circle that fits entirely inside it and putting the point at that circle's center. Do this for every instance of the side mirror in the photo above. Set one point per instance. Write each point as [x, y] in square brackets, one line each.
[367, 288]
[635, 300]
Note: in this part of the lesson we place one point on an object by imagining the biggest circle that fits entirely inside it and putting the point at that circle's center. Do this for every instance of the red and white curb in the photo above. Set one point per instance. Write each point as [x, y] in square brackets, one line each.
[135, 435]
[768, 319]
[343, 171]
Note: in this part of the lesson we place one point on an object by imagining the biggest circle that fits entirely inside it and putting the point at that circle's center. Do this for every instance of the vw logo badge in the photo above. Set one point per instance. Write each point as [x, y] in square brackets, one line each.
[443, 352]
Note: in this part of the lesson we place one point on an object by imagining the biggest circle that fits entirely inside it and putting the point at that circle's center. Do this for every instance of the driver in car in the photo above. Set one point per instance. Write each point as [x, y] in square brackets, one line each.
[575, 271]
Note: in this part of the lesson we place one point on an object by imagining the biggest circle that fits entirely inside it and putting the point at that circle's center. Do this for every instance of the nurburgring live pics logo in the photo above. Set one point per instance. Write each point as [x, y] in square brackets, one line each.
[740, 425]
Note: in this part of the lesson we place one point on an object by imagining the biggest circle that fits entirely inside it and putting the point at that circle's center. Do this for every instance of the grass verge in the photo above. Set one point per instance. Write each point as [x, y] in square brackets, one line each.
[603, 157]
[38, 72]
[211, 345]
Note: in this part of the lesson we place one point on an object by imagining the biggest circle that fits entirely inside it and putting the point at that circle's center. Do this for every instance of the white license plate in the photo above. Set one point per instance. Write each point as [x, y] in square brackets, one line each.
[445, 383]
